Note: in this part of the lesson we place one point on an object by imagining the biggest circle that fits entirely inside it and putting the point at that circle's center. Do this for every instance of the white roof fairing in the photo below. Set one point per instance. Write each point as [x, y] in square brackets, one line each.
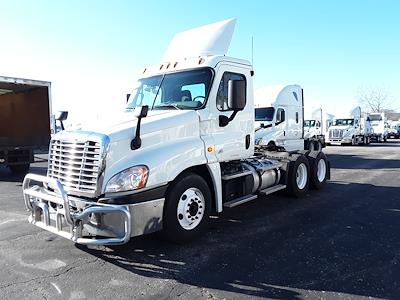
[211, 39]
[278, 95]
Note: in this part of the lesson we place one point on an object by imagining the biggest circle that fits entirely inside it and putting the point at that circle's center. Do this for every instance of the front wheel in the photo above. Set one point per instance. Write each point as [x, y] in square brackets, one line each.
[298, 177]
[187, 208]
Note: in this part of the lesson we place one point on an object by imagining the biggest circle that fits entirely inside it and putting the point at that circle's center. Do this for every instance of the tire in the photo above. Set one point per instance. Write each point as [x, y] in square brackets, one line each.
[187, 209]
[317, 146]
[353, 141]
[298, 177]
[318, 171]
[19, 169]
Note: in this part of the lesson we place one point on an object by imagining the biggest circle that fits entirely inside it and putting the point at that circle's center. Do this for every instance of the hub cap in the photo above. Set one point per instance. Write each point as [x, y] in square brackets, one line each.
[321, 170]
[190, 209]
[301, 176]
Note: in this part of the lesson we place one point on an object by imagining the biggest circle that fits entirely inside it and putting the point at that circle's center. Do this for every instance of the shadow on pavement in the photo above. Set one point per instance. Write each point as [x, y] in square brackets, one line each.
[327, 241]
[357, 162]
[7, 175]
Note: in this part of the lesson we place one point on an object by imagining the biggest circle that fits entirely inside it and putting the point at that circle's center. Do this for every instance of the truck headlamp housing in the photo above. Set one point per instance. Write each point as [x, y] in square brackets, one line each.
[133, 178]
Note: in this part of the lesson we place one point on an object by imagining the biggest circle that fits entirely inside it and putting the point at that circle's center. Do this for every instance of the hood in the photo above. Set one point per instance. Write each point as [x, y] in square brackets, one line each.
[343, 127]
[123, 125]
[257, 124]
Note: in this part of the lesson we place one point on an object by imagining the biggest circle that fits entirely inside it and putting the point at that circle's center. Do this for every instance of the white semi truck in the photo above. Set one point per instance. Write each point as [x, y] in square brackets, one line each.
[183, 148]
[352, 129]
[317, 125]
[279, 119]
[393, 129]
[379, 128]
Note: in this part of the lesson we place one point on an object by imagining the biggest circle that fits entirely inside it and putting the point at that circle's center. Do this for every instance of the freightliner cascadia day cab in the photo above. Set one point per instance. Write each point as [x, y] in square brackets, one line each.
[26, 121]
[279, 119]
[379, 128]
[352, 129]
[183, 148]
[317, 125]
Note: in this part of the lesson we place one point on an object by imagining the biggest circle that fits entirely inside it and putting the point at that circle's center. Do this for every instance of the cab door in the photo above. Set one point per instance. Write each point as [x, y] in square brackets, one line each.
[234, 140]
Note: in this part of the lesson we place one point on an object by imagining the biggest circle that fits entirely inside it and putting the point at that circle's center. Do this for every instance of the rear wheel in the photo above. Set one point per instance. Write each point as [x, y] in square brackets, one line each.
[298, 177]
[187, 208]
[318, 171]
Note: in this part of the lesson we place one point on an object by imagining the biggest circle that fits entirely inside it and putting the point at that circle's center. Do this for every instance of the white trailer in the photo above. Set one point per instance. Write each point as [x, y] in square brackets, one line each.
[352, 129]
[183, 148]
[279, 119]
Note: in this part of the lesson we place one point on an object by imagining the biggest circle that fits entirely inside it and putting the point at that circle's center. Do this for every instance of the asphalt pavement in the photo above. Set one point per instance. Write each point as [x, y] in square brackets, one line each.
[338, 243]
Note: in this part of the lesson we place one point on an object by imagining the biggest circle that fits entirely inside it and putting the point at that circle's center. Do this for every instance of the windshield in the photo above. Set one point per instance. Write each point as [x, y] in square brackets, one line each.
[309, 123]
[375, 117]
[264, 113]
[344, 122]
[183, 90]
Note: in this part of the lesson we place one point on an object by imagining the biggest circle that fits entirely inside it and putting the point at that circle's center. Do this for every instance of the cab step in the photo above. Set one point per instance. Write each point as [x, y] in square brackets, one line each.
[272, 189]
[240, 200]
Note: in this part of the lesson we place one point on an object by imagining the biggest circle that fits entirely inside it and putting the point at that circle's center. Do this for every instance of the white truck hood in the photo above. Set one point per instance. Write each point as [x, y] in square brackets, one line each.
[123, 125]
[343, 127]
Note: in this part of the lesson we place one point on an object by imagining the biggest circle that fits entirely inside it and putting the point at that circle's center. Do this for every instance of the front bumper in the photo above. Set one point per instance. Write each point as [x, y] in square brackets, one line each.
[83, 221]
[338, 141]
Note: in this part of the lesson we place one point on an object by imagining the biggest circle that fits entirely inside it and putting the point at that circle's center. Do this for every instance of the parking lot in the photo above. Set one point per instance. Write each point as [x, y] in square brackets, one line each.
[341, 242]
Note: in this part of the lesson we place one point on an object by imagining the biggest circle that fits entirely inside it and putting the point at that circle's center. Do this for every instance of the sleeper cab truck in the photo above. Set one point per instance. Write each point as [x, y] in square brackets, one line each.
[279, 119]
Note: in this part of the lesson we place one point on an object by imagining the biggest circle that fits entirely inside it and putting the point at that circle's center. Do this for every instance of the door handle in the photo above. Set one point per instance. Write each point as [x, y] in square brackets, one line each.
[247, 141]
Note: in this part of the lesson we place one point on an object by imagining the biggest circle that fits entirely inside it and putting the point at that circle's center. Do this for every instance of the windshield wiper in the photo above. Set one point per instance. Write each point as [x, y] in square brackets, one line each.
[167, 105]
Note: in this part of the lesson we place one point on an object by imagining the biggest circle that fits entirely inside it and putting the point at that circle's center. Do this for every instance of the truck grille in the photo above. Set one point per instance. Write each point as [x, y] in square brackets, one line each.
[77, 165]
[335, 133]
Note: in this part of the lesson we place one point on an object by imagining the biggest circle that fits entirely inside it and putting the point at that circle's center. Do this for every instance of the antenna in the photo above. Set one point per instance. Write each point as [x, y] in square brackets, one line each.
[252, 52]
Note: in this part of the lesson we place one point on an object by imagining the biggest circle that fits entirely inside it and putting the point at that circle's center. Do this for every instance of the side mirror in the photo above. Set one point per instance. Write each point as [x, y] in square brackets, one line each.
[127, 97]
[61, 116]
[236, 94]
[141, 111]
[280, 116]
[236, 100]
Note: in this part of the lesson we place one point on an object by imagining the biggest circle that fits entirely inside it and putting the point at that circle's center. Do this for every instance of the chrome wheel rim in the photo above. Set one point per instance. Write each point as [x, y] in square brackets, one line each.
[191, 207]
[321, 170]
[301, 176]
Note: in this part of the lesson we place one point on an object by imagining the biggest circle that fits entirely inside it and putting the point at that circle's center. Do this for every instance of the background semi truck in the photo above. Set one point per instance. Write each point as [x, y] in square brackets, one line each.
[352, 129]
[26, 121]
[379, 127]
[183, 148]
[393, 129]
[318, 124]
[279, 117]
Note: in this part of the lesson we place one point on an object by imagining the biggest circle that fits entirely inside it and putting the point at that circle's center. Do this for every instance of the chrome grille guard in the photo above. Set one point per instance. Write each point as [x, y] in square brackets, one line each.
[49, 207]
[77, 160]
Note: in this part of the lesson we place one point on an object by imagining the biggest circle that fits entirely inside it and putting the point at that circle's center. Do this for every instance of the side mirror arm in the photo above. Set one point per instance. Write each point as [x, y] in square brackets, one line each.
[224, 120]
[136, 143]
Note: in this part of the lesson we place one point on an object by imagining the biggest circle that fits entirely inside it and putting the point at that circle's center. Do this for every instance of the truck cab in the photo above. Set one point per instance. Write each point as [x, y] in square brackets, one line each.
[282, 125]
[379, 128]
[352, 129]
[183, 148]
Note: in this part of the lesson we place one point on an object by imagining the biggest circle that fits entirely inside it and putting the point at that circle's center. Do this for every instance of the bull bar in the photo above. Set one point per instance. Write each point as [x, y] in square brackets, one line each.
[46, 206]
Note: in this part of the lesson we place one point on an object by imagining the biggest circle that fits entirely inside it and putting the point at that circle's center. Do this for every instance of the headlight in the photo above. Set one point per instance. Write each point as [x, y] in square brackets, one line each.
[130, 179]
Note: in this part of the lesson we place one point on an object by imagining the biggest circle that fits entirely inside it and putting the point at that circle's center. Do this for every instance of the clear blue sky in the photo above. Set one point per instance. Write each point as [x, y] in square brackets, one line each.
[93, 50]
